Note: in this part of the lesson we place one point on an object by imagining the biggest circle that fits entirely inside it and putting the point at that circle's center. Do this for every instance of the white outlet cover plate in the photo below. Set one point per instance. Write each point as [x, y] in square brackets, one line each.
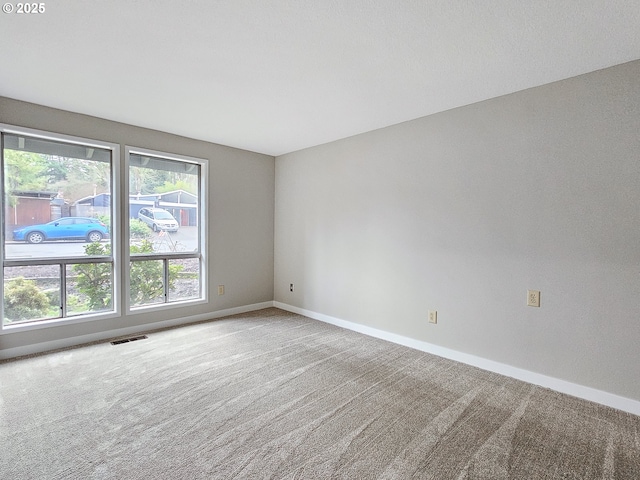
[533, 298]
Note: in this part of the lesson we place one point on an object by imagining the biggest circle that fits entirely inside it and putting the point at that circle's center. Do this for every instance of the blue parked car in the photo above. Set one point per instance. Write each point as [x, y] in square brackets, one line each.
[66, 228]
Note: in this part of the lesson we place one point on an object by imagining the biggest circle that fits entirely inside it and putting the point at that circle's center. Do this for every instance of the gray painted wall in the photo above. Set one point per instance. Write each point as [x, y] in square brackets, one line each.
[240, 211]
[465, 210]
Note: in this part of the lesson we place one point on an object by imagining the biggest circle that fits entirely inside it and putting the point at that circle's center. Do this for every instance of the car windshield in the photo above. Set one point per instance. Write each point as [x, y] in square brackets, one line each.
[163, 216]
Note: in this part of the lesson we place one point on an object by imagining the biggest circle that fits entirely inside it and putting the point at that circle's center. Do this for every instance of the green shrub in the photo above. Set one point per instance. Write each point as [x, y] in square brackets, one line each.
[23, 300]
[139, 229]
[106, 219]
[76, 305]
[146, 277]
[94, 279]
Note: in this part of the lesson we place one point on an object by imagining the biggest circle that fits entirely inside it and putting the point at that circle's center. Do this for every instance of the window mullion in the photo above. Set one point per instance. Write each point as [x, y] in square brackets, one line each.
[21, 262]
[165, 263]
[63, 290]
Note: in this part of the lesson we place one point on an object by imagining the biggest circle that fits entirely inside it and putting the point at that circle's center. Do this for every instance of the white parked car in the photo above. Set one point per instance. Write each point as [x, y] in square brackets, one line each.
[158, 219]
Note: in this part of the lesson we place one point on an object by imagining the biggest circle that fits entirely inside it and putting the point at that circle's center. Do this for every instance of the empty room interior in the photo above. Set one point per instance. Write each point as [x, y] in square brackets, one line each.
[320, 239]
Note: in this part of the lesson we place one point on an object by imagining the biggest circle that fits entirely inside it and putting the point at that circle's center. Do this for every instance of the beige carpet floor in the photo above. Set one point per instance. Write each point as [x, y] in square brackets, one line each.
[276, 395]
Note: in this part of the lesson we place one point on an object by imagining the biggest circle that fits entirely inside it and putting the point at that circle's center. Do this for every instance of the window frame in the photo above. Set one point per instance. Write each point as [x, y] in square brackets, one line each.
[63, 261]
[166, 256]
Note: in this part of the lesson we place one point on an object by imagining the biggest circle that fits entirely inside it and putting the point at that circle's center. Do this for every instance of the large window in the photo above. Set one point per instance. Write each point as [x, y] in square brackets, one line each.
[62, 208]
[166, 225]
[57, 230]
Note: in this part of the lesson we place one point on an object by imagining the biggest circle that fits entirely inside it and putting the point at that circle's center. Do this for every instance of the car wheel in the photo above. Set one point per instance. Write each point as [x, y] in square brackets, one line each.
[35, 237]
[155, 227]
[94, 236]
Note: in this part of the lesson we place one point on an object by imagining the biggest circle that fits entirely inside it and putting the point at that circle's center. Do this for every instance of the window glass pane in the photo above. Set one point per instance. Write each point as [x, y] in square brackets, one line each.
[31, 293]
[163, 203]
[89, 288]
[146, 284]
[167, 243]
[56, 200]
[48, 186]
[184, 279]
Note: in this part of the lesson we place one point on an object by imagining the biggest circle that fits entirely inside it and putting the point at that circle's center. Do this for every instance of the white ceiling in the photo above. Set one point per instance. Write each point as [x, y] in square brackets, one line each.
[278, 76]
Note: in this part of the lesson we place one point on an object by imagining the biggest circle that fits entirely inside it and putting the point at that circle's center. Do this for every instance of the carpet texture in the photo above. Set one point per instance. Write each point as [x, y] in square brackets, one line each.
[272, 394]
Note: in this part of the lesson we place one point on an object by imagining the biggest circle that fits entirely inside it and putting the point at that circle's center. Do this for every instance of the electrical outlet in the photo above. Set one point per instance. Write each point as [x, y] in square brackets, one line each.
[291, 287]
[220, 289]
[533, 298]
[433, 316]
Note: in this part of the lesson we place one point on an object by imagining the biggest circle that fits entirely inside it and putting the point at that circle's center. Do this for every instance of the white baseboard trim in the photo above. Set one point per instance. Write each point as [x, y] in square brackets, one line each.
[121, 332]
[562, 386]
